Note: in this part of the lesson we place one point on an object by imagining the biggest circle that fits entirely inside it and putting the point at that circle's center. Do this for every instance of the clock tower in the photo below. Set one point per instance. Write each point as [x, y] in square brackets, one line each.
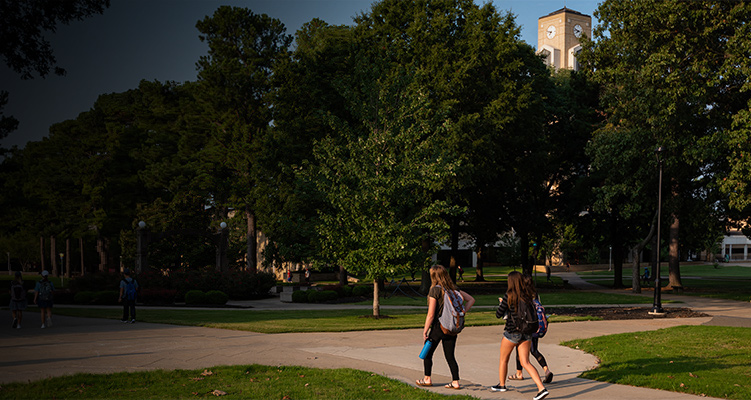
[558, 35]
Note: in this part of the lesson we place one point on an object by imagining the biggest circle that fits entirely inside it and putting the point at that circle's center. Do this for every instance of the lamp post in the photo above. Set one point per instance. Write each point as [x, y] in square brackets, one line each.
[610, 259]
[9, 272]
[221, 247]
[62, 270]
[142, 251]
[657, 303]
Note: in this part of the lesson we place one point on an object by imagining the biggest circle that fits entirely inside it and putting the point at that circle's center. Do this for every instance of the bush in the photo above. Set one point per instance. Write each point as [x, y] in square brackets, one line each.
[300, 296]
[105, 297]
[327, 295]
[362, 290]
[216, 297]
[346, 291]
[157, 296]
[96, 282]
[85, 297]
[195, 297]
[312, 296]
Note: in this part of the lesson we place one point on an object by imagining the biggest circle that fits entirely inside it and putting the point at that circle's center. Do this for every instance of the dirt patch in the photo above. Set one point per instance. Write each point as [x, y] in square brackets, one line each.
[617, 313]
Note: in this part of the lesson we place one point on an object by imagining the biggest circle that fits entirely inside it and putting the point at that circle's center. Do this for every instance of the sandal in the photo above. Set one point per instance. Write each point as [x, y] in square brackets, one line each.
[548, 378]
[421, 382]
[451, 386]
[515, 378]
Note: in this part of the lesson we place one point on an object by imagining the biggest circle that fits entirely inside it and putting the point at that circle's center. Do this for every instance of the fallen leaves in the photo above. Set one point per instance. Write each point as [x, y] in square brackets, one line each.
[218, 392]
[206, 372]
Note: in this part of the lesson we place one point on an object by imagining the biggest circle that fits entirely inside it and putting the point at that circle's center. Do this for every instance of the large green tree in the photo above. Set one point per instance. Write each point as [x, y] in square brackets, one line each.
[235, 85]
[660, 67]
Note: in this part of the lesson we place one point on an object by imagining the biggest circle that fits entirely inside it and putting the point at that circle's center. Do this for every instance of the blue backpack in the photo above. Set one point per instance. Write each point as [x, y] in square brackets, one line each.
[542, 319]
[130, 289]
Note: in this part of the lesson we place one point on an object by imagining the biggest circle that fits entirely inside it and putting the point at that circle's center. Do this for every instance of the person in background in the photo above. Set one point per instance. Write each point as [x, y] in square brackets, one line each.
[128, 295]
[44, 293]
[533, 348]
[18, 301]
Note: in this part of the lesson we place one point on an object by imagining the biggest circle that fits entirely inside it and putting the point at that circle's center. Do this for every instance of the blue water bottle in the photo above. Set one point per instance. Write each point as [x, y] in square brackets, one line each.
[426, 348]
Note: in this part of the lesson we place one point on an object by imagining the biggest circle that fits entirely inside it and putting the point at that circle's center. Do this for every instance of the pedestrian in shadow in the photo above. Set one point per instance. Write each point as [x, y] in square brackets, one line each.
[128, 296]
[44, 293]
[18, 301]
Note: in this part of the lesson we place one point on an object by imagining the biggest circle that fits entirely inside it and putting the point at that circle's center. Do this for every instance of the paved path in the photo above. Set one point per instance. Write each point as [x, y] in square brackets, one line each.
[102, 346]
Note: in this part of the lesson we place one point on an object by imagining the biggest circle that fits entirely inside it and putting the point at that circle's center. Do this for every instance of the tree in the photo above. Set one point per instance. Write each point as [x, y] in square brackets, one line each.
[379, 183]
[667, 89]
[23, 44]
[235, 81]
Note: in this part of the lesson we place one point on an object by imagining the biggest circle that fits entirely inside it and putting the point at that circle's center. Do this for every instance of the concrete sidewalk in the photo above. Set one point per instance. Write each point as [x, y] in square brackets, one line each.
[103, 346]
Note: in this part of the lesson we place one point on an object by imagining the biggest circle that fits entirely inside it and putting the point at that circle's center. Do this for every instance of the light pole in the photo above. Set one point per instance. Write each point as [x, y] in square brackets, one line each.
[657, 303]
[142, 251]
[9, 272]
[610, 259]
[62, 270]
[221, 248]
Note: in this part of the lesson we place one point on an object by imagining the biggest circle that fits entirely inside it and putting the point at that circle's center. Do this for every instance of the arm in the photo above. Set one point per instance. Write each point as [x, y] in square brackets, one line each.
[502, 308]
[469, 301]
[120, 298]
[432, 305]
[36, 292]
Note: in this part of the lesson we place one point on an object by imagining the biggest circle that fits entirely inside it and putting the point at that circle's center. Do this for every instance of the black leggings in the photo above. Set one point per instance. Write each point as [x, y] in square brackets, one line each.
[449, 345]
[535, 353]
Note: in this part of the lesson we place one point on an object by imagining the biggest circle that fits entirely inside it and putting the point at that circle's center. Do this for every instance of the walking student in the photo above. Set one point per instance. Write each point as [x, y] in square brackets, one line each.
[440, 282]
[18, 301]
[128, 295]
[44, 293]
[518, 297]
[533, 348]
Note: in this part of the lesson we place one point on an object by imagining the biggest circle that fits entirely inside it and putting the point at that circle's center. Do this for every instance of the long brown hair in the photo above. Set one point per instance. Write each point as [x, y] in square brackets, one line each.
[518, 289]
[440, 276]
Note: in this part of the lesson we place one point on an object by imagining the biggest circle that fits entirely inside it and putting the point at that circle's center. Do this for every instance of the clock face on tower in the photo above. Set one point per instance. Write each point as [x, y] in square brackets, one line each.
[577, 30]
[551, 31]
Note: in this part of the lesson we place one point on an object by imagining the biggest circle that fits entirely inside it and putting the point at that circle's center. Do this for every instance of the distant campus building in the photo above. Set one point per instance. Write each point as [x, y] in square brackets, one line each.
[558, 35]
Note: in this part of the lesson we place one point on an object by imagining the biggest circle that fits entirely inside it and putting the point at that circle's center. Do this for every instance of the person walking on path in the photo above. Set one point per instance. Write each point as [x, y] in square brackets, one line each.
[533, 348]
[128, 295]
[44, 293]
[18, 301]
[441, 281]
[518, 297]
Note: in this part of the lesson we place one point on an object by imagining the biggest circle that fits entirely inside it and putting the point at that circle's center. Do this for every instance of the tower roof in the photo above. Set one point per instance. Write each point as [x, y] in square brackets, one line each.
[565, 10]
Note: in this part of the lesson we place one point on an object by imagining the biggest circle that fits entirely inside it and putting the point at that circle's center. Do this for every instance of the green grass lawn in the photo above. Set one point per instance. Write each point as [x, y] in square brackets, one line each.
[548, 298]
[291, 320]
[236, 382]
[725, 282]
[701, 360]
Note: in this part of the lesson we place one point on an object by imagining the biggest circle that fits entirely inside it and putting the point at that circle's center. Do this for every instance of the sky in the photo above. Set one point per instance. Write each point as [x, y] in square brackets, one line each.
[157, 40]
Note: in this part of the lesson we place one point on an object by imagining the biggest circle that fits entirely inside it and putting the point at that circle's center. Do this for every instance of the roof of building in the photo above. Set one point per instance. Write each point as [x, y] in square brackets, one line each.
[565, 10]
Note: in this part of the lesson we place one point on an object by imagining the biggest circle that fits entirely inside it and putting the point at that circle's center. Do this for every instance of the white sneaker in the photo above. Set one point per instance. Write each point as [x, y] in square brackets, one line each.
[49, 322]
[18, 326]
[43, 326]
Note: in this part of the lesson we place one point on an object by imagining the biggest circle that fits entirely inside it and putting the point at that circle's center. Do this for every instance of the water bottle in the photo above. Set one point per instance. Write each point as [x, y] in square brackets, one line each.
[426, 348]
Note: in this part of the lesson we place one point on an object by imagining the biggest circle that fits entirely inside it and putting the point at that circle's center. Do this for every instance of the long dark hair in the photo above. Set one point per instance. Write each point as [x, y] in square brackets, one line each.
[518, 290]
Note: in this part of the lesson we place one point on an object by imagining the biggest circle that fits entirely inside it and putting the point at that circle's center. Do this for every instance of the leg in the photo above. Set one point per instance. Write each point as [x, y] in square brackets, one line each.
[535, 351]
[506, 347]
[428, 361]
[523, 350]
[518, 376]
[125, 310]
[449, 348]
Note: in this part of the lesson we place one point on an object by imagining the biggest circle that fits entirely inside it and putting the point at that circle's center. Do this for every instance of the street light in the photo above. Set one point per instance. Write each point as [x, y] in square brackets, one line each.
[142, 251]
[62, 271]
[657, 303]
[610, 258]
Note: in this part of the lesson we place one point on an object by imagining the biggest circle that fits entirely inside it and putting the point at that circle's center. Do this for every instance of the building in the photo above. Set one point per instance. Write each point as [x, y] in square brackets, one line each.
[558, 35]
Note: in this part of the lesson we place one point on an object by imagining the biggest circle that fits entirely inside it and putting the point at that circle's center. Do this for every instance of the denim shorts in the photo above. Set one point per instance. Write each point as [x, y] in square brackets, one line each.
[516, 337]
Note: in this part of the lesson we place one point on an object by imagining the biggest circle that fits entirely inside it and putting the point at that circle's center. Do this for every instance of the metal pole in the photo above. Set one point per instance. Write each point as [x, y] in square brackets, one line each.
[62, 276]
[9, 271]
[610, 259]
[657, 303]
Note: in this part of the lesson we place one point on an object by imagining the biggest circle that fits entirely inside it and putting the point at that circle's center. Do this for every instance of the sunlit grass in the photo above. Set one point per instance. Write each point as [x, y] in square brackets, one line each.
[701, 360]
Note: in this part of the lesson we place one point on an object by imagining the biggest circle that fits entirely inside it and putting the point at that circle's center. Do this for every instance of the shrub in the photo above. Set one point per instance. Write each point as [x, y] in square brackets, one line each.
[327, 295]
[105, 297]
[312, 295]
[195, 297]
[96, 282]
[85, 297]
[362, 290]
[300, 296]
[346, 291]
[216, 297]
[157, 296]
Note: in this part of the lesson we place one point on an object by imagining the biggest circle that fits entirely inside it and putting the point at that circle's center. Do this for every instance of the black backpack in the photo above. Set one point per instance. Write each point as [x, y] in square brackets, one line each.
[17, 292]
[525, 318]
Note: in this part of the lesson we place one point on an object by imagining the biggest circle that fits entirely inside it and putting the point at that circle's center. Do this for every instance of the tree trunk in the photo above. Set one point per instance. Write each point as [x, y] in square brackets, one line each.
[454, 248]
[342, 276]
[615, 249]
[524, 251]
[252, 241]
[53, 257]
[479, 276]
[636, 255]
[376, 299]
[100, 248]
[41, 251]
[80, 249]
[674, 266]
[67, 258]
